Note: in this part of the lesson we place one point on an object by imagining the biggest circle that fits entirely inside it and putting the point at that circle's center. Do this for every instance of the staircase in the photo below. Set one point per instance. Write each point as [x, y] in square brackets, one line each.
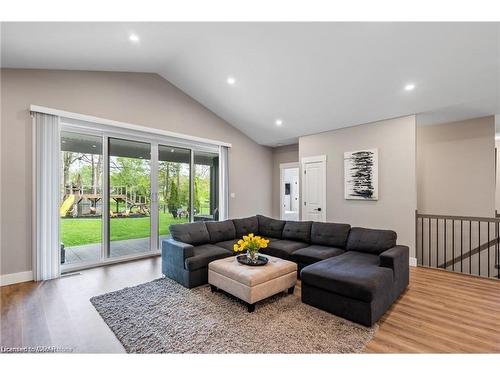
[464, 244]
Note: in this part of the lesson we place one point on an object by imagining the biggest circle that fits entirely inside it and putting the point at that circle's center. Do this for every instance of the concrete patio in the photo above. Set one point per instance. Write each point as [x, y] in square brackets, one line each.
[91, 252]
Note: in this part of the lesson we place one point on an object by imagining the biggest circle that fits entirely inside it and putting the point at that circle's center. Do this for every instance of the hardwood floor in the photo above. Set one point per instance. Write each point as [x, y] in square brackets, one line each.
[59, 313]
[440, 312]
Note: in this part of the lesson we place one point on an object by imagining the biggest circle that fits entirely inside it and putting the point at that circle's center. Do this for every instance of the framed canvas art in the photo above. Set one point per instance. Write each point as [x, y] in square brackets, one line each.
[361, 174]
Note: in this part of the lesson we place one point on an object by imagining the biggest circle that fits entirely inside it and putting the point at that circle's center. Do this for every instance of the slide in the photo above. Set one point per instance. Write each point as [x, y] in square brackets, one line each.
[67, 204]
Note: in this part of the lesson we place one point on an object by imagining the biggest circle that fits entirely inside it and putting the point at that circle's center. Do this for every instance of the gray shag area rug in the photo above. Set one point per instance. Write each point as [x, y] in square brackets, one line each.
[162, 316]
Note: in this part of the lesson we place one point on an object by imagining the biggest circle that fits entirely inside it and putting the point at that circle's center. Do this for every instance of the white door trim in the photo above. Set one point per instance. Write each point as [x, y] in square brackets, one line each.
[312, 159]
[289, 165]
[304, 161]
[282, 185]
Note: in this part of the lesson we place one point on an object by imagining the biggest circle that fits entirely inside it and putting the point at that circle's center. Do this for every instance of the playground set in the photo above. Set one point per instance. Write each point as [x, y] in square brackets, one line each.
[86, 202]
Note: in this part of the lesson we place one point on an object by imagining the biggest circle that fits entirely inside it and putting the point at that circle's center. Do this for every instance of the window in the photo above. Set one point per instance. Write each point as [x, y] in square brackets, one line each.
[81, 198]
[129, 197]
[121, 190]
[174, 187]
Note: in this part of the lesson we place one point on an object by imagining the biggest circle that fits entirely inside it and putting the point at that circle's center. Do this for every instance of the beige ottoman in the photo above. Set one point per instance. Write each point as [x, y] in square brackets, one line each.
[252, 283]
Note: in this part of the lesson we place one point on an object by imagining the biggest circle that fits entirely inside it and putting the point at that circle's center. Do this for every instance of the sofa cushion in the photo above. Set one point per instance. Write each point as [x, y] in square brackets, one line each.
[221, 230]
[191, 233]
[246, 226]
[297, 231]
[269, 227]
[373, 241]
[352, 274]
[203, 255]
[330, 234]
[282, 248]
[228, 245]
[315, 253]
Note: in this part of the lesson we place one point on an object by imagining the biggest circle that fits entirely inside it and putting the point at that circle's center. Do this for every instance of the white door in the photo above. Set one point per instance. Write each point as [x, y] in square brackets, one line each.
[314, 188]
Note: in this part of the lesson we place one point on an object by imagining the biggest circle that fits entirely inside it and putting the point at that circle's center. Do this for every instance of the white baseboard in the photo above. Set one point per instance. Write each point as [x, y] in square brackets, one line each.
[14, 278]
[413, 262]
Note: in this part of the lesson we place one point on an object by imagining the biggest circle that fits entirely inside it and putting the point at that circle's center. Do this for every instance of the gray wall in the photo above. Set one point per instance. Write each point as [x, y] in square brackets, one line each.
[395, 209]
[143, 99]
[456, 168]
[283, 154]
[456, 176]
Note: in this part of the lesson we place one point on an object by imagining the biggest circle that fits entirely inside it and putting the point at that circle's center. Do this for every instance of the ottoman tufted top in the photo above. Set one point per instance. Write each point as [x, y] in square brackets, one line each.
[249, 275]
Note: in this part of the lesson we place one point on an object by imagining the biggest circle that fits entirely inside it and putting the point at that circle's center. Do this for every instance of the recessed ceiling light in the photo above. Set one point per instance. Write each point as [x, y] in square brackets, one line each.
[134, 38]
[94, 146]
[409, 87]
[279, 122]
[230, 81]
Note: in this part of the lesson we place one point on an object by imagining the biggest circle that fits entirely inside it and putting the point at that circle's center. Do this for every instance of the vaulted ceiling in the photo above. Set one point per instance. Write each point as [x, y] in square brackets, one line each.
[312, 76]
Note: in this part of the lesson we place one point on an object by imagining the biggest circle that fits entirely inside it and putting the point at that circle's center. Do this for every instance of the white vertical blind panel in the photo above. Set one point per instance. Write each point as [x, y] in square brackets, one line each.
[47, 263]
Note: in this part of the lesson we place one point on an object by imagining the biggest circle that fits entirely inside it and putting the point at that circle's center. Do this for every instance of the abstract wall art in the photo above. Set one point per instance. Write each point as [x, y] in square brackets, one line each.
[361, 174]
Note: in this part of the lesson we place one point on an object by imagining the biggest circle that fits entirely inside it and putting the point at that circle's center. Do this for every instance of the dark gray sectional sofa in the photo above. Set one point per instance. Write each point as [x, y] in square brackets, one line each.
[356, 273]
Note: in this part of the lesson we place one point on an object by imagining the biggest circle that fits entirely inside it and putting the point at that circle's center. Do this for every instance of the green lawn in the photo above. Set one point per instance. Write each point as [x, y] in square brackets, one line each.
[83, 231]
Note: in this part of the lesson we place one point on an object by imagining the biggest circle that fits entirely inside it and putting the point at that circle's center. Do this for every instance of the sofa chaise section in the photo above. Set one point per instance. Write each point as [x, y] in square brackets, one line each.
[362, 283]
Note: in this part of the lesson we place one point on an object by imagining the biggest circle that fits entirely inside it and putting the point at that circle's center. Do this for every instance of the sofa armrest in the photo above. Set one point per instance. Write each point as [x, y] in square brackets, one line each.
[176, 252]
[395, 257]
[398, 259]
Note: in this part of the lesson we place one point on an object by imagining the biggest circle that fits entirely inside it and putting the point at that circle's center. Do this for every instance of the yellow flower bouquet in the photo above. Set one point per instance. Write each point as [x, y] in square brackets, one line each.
[252, 244]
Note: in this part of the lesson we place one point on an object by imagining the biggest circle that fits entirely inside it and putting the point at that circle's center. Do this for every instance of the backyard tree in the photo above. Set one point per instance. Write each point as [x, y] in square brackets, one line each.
[68, 159]
[165, 175]
[131, 173]
[201, 202]
[183, 188]
[90, 170]
[173, 201]
[96, 162]
[178, 174]
[196, 203]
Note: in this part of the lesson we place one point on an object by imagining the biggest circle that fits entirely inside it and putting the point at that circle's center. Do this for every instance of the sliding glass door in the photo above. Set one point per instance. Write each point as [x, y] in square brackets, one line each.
[174, 188]
[119, 194]
[206, 186]
[80, 207]
[129, 197]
